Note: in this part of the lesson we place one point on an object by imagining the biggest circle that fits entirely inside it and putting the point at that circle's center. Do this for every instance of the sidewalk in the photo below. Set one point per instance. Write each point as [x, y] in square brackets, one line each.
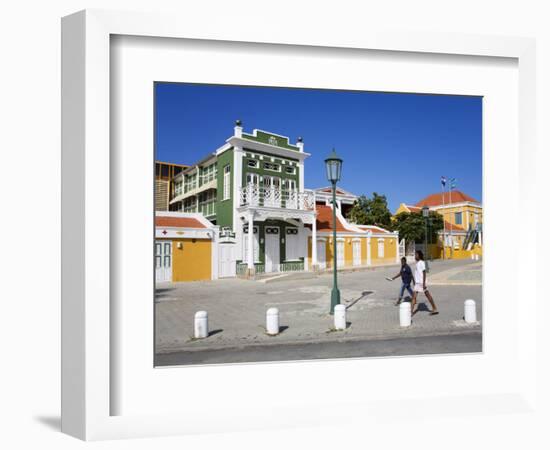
[469, 275]
[236, 310]
[268, 278]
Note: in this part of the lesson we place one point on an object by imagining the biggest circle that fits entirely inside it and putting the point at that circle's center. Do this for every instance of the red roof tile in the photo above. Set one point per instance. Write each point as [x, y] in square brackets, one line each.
[338, 191]
[453, 227]
[437, 199]
[182, 222]
[324, 220]
[373, 228]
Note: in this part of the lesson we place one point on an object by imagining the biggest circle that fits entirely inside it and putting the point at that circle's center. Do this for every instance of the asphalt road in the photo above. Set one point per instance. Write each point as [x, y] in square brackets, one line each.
[467, 342]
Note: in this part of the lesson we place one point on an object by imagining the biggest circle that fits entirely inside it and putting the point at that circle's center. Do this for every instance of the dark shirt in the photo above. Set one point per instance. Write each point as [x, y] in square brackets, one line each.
[406, 274]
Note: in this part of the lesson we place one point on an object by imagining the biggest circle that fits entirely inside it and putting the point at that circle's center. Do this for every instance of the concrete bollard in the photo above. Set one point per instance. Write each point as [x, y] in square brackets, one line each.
[340, 317]
[272, 321]
[201, 324]
[472, 256]
[470, 311]
[405, 314]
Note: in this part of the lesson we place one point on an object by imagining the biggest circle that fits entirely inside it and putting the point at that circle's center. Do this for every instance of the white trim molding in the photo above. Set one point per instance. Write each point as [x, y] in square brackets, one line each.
[267, 148]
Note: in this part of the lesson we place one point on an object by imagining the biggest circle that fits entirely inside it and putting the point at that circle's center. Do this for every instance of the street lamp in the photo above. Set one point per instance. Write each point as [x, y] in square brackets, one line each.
[426, 214]
[333, 165]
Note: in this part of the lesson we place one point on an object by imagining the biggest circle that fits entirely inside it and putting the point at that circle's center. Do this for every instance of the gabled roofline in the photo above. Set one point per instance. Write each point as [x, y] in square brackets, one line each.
[272, 149]
[185, 215]
[350, 227]
[345, 193]
[436, 195]
[222, 149]
[255, 134]
[454, 205]
[195, 165]
[158, 161]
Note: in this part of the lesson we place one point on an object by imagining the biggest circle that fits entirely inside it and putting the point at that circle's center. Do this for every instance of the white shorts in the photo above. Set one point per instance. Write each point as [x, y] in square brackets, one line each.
[419, 288]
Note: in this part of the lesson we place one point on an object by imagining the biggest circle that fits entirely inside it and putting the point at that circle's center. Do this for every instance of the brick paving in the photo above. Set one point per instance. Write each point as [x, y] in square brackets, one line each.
[236, 308]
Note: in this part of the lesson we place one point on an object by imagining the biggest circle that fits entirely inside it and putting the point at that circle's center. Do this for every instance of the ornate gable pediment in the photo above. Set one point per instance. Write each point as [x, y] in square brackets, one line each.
[270, 139]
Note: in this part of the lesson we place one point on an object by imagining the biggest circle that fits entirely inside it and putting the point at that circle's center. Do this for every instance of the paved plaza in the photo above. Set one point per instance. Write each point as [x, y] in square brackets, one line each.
[236, 309]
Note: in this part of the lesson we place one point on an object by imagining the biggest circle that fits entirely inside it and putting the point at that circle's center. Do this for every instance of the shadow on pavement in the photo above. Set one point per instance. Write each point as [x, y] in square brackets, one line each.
[363, 295]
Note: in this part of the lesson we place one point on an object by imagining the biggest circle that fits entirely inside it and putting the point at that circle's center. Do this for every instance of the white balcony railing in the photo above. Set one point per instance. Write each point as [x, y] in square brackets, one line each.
[254, 195]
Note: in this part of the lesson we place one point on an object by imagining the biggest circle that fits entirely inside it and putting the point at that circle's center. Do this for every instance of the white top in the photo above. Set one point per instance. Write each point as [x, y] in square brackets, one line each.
[419, 272]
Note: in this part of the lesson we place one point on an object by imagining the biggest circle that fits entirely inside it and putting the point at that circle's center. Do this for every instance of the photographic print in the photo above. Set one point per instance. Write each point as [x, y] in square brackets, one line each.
[304, 224]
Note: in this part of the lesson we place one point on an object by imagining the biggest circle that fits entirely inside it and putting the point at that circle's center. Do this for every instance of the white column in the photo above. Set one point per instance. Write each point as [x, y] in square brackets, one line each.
[303, 238]
[215, 252]
[238, 129]
[300, 165]
[368, 252]
[250, 255]
[235, 195]
[397, 249]
[314, 243]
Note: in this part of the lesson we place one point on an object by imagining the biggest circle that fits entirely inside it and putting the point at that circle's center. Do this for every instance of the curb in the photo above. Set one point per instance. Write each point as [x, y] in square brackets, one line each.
[409, 332]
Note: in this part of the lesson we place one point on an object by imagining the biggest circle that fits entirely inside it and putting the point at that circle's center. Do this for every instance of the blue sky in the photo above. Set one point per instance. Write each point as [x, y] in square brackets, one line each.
[394, 144]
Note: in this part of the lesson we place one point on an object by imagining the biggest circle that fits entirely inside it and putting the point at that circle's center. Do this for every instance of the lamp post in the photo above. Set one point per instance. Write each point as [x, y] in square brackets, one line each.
[426, 214]
[333, 165]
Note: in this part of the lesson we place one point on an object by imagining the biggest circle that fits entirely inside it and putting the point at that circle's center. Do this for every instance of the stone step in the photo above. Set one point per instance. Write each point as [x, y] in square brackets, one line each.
[284, 276]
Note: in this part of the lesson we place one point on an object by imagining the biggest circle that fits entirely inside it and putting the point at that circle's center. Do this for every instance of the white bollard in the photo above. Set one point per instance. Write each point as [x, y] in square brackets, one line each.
[201, 324]
[470, 311]
[405, 314]
[340, 317]
[272, 321]
[472, 256]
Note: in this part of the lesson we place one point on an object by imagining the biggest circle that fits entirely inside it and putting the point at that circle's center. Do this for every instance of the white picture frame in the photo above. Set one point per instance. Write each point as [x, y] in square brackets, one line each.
[88, 325]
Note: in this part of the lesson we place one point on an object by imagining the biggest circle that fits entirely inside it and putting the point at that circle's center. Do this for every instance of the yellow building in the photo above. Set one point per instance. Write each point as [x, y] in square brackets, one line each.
[185, 247]
[463, 220]
[404, 208]
[357, 245]
[456, 208]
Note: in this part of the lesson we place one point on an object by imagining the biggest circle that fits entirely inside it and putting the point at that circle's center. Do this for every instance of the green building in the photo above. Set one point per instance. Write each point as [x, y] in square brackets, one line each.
[254, 181]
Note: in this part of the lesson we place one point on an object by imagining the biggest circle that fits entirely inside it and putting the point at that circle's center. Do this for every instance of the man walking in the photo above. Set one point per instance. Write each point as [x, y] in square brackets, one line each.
[420, 283]
[406, 277]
